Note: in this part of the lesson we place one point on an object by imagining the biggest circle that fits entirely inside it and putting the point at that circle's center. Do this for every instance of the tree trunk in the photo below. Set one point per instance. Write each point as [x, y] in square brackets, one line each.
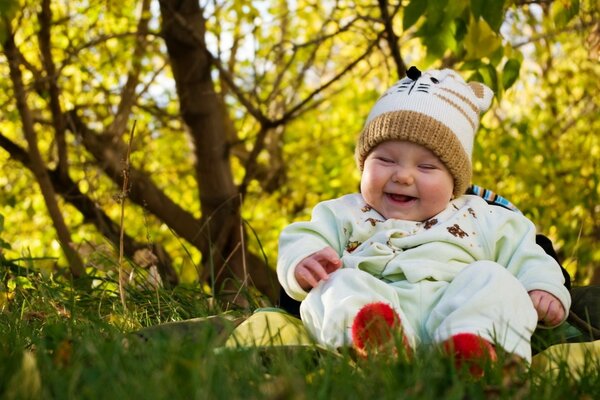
[222, 231]
[37, 163]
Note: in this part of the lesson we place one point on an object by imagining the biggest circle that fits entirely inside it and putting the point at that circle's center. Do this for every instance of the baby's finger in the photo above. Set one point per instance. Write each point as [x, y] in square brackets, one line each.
[556, 313]
[330, 260]
[316, 268]
[305, 278]
[329, 255]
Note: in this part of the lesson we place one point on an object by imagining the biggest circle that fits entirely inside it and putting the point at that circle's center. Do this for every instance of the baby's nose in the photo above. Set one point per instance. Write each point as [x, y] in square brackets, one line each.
[403, 176]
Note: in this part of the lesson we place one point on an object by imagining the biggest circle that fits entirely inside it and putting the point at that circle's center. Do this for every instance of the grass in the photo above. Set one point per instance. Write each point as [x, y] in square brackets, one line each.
[59, 344]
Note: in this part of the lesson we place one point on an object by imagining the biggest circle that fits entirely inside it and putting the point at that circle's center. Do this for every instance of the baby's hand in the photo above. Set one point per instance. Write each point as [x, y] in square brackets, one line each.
[549, 309]
[316, 267]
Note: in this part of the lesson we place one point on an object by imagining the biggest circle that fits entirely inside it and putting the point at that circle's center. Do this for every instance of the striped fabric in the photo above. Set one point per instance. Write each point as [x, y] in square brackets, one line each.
[491, 197]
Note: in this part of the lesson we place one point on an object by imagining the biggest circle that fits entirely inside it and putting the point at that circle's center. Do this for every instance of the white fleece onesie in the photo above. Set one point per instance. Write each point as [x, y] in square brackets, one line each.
[466, 270]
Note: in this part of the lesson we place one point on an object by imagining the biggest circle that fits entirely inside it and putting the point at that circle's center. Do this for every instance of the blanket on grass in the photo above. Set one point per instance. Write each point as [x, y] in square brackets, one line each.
[275, 327]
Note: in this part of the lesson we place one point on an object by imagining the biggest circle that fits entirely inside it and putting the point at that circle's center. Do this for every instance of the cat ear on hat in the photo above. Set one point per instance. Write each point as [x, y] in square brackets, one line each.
[483, 95]
[413, 73]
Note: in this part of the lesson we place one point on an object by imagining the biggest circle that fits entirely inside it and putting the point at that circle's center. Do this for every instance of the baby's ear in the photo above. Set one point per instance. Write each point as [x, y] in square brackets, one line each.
[483, 94]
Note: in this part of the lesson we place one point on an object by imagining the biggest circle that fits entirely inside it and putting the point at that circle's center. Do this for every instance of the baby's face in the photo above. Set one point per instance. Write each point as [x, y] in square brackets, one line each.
[404, 180]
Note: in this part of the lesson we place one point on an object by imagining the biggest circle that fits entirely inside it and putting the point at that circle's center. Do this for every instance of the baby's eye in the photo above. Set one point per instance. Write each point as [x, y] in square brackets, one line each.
[384, 159]
[428, 166]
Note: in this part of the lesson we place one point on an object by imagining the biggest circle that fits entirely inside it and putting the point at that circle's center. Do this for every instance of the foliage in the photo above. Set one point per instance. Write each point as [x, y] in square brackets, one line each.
[295, 81]
[55, 344]
[546, 132]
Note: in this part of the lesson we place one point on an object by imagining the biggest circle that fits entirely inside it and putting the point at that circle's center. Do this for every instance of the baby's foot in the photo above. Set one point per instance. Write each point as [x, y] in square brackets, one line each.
[472, 351]
[374, 329]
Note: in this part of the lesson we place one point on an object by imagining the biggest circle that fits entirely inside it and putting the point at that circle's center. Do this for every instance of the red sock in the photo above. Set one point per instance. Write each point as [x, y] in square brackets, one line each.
[374, 327]
[472, 350]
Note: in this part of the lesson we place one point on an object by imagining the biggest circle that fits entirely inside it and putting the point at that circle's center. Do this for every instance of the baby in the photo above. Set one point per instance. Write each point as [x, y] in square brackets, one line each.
[411, 249]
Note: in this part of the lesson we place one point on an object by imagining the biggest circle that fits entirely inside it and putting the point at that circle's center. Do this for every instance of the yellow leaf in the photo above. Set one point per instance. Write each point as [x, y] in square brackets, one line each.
[5, 298]
[26, 383]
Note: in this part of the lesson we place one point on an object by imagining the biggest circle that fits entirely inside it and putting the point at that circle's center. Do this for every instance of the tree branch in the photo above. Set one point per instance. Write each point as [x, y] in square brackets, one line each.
[392, 39]
[128, 99]
[299, 108]
[109, 152]
[549, 35]
[45, 18]
[92, 214]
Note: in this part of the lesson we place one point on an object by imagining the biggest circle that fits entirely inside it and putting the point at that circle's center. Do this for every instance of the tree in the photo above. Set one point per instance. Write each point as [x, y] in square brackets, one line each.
[237, 108]
[550, 123]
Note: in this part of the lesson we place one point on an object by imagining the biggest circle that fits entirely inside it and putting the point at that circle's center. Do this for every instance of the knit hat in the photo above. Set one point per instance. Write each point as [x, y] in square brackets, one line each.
[436, 109]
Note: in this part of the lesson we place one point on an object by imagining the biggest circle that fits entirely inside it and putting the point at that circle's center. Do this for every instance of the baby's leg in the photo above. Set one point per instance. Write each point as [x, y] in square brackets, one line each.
[329, 309]
[485, 299]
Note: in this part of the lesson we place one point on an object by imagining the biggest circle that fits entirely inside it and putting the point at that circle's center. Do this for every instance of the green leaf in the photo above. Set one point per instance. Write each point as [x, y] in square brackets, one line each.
[8, 9]
[475, 77]
[456, 10]
[497, 56]
[490, 76]
[439, 43]
[510, 72]
[23, 282]
[436, 12]
[470, 65]
[563, 11]
[412, 13]
[481, 40]
[461, 28]
[492, 11]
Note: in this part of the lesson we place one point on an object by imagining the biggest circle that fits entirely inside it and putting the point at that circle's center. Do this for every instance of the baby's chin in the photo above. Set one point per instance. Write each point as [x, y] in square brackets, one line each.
[409, 214]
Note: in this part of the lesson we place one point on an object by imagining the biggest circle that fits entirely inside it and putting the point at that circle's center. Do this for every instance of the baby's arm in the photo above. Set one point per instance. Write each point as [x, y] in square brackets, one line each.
[549, 309]
[316, 267]
[331, 225]
[514, 246]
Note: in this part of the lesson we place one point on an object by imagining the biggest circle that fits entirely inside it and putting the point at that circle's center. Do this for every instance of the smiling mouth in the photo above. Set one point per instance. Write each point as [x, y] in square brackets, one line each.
[400, 198]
